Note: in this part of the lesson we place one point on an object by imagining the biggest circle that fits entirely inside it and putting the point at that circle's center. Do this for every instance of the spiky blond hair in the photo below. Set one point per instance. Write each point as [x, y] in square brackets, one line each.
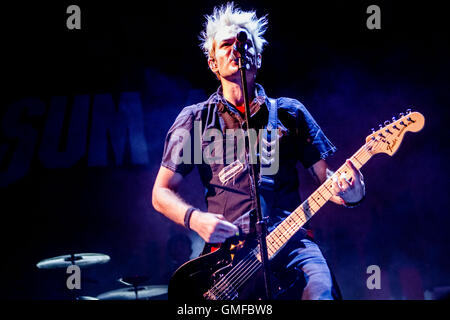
[229, 15]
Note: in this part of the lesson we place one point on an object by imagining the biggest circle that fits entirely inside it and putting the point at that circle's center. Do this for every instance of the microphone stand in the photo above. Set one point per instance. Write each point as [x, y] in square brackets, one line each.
[261, 225]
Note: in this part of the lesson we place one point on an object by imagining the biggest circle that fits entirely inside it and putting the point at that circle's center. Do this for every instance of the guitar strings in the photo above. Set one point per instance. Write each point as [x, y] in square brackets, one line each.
[222, 287]
[249, 267]
[253, 267]
[289, 228]
[245, 260]
[230, 275]
[248, 270]
[249, 263]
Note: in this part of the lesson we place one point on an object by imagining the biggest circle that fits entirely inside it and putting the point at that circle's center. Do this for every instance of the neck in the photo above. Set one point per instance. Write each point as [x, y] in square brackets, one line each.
[233, 93]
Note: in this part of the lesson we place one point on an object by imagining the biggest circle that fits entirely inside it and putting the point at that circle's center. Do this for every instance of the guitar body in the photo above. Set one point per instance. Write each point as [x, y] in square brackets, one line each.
[193, 280]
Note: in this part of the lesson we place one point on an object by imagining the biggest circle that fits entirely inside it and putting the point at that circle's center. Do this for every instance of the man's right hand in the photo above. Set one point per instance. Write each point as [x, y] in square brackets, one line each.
[213, 228]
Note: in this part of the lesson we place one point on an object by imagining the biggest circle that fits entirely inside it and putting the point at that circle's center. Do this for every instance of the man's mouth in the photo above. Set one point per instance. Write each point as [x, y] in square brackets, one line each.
[234, 59]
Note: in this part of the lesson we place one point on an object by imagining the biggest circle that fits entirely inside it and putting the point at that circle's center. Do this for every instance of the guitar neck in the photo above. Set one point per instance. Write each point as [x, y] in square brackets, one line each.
[289, 226]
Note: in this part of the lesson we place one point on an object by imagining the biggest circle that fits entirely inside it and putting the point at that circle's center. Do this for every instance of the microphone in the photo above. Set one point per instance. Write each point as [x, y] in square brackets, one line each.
[241, 36]
[241, 42]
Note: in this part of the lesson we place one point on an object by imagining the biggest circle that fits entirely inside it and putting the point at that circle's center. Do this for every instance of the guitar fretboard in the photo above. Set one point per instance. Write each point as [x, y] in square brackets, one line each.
[289, 226]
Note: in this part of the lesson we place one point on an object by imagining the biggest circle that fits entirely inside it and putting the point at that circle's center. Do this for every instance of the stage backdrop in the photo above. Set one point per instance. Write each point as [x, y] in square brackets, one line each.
[84, 114]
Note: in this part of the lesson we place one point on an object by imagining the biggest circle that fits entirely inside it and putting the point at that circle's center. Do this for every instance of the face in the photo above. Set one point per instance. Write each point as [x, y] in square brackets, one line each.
[225, 61]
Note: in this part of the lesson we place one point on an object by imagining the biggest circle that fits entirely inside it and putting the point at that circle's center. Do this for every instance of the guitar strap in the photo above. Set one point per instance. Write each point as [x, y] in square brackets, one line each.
[266, 182]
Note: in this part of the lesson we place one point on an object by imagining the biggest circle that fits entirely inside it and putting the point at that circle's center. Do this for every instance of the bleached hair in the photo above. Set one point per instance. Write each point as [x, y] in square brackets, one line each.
[229, 15]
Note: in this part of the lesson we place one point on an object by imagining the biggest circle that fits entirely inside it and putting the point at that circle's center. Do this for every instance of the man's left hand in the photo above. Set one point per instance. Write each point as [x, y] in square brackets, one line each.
[350, 187]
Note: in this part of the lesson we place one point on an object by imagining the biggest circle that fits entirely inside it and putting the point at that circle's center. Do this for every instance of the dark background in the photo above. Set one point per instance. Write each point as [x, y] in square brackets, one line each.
[350, 78]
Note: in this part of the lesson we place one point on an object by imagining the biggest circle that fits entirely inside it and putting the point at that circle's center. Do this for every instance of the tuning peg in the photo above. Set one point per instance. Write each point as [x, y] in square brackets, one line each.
[394, 119]
[380, 126]
[401, 115]
[387, 122]
[373, 130]
[408, 111]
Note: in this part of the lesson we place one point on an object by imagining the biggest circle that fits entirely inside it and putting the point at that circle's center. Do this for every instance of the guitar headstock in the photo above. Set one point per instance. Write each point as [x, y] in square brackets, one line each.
[387, 138]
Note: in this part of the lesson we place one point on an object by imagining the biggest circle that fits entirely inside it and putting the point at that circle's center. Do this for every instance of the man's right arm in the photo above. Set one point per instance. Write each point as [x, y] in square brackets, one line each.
[211, 227]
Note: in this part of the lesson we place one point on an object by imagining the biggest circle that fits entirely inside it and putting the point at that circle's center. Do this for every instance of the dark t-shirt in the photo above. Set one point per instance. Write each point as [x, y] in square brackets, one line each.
[206, 135]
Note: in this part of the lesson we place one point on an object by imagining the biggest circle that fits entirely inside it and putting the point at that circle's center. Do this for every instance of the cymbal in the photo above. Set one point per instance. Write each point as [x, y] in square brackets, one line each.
[143, 293]
[86, 298]
[79, 259]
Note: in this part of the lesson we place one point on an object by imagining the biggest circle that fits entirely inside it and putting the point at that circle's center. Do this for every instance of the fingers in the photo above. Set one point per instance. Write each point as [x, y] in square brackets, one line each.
[227, 228]
[220, 217]
[341, 185]
[351, 165]
[357, 175]
[345, 183]
[220, 236]
[349, 186]
[348, 180]
[217, 229]
[336, 188]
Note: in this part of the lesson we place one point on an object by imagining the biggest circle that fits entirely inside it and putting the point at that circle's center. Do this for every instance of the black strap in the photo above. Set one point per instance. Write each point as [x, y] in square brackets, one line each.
[267, 182]
[187, 217]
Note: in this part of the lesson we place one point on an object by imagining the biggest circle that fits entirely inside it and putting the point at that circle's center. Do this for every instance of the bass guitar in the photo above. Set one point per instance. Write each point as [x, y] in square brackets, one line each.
[230, 272]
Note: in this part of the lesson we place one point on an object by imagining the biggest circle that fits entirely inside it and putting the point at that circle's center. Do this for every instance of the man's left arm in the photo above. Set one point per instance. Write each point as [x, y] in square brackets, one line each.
[346, 190]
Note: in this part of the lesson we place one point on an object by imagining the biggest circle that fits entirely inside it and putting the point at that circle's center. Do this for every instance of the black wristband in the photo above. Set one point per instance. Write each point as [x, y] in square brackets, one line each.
[187, 217]
[354, 204]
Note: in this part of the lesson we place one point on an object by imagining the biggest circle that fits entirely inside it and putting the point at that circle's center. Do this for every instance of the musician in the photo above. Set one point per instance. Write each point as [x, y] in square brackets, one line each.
[230, 198]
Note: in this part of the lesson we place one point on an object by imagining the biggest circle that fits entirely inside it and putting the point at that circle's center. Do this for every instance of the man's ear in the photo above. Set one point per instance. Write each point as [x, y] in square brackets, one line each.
[213, 65]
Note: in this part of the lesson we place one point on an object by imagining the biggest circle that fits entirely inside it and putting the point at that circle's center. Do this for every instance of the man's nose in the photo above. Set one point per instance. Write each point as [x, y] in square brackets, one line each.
[236, 52]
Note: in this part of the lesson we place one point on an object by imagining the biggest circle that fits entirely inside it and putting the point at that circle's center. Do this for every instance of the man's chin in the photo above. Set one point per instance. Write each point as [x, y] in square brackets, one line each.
[235, 77]
[233, 71]
[233, 74]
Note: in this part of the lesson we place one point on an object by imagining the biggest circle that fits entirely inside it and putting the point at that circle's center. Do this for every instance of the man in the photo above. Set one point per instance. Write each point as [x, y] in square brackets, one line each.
[230, 197]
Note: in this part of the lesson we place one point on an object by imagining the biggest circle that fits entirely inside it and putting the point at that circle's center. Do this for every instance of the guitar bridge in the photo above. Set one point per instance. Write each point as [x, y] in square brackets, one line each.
[208, 295]
[216, 293]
